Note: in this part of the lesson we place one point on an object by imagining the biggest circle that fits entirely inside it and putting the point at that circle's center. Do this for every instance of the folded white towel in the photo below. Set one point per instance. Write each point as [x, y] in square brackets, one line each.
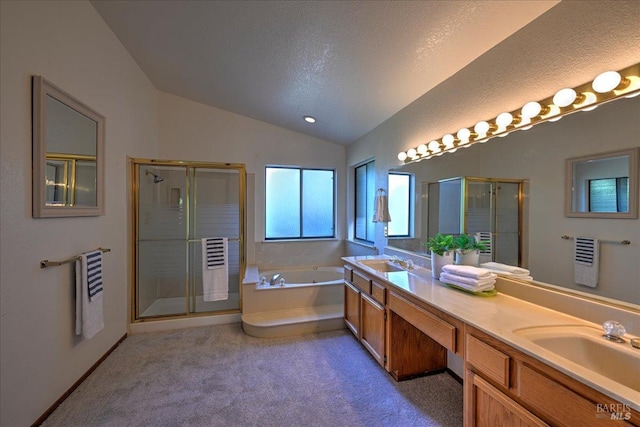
[468, 271]
[467, 280]
[485, 287]
[505, 268]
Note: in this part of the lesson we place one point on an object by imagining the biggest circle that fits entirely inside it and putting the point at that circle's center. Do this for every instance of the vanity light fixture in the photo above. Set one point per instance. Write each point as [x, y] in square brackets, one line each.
[606, 87]
[448, 141]
[565, 97]
[309, 119]
[463, 135]
[607, 81]
[504, 119]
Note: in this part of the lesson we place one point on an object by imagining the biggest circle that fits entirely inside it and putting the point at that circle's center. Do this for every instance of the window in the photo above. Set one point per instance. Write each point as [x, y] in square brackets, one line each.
[365, 192]
[300, 203]
[609, 195]
[399, 205]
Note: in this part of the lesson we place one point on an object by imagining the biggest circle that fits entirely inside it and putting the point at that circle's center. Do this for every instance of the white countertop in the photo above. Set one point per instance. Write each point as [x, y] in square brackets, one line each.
[499, 316]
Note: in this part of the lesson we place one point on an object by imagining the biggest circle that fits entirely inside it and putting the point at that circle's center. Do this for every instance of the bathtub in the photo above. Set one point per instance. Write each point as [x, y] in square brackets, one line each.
[315, 276]
[311, 300]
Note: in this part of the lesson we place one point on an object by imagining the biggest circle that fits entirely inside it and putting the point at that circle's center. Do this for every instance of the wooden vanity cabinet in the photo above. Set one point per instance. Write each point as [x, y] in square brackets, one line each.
[415, 339]
[352, 308]
[372, 327]
[505, 387]
[365, 313]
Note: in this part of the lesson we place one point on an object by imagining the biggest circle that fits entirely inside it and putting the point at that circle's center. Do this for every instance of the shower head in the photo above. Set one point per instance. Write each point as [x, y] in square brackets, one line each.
[156, 178]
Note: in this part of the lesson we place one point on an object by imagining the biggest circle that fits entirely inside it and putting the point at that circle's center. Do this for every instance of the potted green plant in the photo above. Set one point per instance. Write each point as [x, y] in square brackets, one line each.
[468, 250]
[441, 247]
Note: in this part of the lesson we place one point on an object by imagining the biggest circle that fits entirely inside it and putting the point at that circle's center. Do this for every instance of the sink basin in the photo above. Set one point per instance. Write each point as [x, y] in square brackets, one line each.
[381, 265]
[585, 346]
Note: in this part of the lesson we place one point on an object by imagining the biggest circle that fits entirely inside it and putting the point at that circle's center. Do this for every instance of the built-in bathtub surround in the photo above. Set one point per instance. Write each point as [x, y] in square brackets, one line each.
[301, 300]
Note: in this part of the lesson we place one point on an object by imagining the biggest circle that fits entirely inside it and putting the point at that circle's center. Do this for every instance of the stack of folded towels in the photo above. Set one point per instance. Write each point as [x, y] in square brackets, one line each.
[509, 271]
[467, 277]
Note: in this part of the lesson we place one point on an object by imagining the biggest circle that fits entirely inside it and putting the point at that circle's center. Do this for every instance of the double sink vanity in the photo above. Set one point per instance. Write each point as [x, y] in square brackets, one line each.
[523, 364]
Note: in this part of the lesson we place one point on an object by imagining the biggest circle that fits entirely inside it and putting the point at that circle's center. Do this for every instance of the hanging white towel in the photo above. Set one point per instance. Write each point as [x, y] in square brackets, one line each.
[89, 291]
[586, 256]
[215, 269]
[381, 208]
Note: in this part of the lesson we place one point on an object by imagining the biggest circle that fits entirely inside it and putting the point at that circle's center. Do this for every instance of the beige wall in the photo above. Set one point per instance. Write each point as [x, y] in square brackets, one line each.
[68, 44]
[188, 130]
[567, 46]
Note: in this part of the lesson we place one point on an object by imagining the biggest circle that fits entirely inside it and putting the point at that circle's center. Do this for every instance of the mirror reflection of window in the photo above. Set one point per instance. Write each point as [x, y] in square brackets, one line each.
[400, 204]
[609, 195]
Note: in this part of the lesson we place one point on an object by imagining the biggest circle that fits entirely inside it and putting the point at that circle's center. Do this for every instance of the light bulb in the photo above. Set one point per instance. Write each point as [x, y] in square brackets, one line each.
[531, 109]
[411, 152]
[447, 140]
[309, 119]
[463, 135]
[504, 119]
[606, 82]
[422, 149]
[564, 97]
[434, 146]
[402, 156]
[481, 128]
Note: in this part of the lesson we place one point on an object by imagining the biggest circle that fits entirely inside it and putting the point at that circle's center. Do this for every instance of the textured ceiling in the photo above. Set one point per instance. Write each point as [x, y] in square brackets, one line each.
[350, 64]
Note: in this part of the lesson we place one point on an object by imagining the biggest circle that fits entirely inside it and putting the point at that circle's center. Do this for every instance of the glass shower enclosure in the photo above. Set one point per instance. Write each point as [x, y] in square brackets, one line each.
[177, 204]
[486, 207]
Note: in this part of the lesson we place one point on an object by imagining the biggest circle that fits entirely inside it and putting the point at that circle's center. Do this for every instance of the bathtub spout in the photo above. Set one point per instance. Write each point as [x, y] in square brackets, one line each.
[272, 282]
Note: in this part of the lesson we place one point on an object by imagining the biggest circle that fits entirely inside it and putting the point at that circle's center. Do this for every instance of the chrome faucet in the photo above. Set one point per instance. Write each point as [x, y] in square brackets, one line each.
[613, 331]
[272, 282]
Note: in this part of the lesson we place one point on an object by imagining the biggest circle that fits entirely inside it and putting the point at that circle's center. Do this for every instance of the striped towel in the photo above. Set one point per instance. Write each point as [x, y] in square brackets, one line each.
[89, 305]
[94, 273]
[215, 252]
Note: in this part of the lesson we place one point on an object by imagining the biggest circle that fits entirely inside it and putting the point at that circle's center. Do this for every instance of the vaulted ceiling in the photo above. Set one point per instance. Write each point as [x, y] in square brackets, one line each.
[349, 64]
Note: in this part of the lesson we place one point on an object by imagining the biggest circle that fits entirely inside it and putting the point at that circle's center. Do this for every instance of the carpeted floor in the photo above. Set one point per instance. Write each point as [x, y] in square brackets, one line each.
[218, 376]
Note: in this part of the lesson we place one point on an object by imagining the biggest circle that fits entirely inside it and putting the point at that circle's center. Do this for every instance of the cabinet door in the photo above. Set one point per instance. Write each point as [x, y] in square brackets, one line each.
[372, 331]
[352, 309]
[486, 406]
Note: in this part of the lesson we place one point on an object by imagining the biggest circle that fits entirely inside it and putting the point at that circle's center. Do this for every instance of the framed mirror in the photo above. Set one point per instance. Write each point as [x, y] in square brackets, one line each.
[68, 154]
[603, 185]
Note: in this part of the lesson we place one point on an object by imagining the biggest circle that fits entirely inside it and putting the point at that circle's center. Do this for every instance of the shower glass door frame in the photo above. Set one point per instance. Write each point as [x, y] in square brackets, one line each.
[192, 244]
[494, 218]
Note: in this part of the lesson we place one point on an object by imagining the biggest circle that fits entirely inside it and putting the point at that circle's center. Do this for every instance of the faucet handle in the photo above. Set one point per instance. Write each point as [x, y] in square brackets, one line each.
[613, 330]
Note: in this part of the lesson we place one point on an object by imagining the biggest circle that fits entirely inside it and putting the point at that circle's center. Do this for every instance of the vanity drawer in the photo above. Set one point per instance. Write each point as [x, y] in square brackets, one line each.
[492, 363]
[378, 292]
[436, 328]
[348, 274]
[361, 282]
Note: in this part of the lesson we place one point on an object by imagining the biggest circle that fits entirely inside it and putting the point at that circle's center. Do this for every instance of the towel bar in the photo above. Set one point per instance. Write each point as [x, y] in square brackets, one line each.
[46, 263]
[615, 242]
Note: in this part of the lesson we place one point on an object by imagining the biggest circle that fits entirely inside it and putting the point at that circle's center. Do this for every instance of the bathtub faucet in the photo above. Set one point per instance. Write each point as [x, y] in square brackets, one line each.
[272, 282]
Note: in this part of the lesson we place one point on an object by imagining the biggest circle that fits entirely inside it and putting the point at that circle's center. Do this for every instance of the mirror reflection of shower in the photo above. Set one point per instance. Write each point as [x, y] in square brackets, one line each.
[156, 178]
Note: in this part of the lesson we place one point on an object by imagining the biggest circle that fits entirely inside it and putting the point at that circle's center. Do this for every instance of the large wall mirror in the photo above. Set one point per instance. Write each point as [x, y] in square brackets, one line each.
[537, 159]
[68, 154]
[603, 185]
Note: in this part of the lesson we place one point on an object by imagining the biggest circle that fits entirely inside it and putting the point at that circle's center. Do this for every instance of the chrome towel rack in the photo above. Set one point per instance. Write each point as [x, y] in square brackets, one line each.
[614, 242]
[46, 263]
